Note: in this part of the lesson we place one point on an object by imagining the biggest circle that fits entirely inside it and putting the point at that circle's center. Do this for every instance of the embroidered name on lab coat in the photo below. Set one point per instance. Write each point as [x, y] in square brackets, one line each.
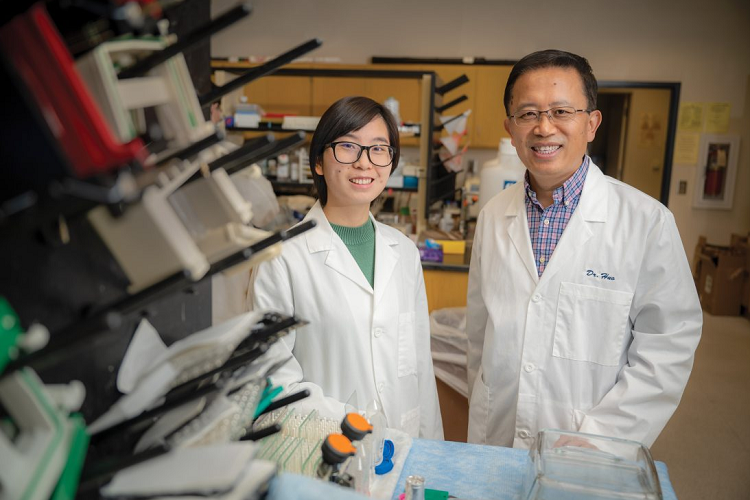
[603, 276]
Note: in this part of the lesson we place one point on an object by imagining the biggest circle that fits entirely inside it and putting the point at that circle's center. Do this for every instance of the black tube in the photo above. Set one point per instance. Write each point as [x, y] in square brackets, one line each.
[455, 83]
[196, 147]
[292, 398]
[261, 433]
[262, 70]
[249, 147]
[273, 149]
[455, 101]
[199, 34]
[440, 127]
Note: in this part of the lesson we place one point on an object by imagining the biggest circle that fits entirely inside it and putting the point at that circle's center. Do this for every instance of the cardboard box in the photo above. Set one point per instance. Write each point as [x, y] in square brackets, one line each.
[720, 276]
[744, 243]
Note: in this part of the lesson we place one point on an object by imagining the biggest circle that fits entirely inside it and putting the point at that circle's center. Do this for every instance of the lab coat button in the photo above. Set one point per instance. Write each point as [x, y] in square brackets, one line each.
[381, 386]
[378, 332]
[529, 367]
[536, 297]
[523, 434]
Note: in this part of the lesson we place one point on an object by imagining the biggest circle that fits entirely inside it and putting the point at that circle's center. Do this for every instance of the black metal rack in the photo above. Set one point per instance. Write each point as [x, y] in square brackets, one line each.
[58, 271]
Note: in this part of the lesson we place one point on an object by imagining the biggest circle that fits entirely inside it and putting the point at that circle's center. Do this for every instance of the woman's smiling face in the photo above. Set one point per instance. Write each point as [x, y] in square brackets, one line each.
[356, 184]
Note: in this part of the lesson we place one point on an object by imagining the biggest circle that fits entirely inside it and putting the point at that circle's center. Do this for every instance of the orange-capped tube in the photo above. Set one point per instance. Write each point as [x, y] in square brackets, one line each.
[336, 448]
[355, 426]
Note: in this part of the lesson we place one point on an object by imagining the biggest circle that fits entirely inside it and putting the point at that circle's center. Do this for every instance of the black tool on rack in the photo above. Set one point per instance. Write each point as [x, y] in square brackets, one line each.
[445, 107]
[271, 150]
[262, 70]
[193, 149]
[187, 41]
[250, 147]
[453, 84]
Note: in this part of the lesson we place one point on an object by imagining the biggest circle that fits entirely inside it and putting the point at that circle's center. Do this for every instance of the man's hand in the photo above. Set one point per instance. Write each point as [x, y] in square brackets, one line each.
[573, 441]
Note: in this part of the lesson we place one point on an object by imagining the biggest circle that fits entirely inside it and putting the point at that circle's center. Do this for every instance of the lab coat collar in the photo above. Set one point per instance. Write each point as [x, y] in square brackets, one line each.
[386, 258]
[324, 239]
[518, 229]
[591, 208]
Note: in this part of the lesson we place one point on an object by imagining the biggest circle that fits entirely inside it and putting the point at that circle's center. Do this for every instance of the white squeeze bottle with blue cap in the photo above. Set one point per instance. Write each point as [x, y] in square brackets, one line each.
[501, 172]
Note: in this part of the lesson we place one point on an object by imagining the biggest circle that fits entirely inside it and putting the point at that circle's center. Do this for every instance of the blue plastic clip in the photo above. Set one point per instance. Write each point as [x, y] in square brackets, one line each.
[386, 465]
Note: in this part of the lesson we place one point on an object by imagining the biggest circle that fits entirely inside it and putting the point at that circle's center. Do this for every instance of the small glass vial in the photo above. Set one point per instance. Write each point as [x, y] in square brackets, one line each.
[414, 489]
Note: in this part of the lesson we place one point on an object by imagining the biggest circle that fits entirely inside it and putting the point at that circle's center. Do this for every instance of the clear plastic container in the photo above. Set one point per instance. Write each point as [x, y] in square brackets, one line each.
[571, 465]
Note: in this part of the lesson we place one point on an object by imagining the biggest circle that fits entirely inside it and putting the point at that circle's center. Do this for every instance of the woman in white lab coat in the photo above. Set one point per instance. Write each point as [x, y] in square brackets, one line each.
[356, 281]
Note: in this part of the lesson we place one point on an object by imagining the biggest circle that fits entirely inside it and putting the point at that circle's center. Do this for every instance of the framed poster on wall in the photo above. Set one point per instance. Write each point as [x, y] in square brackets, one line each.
[717, 171]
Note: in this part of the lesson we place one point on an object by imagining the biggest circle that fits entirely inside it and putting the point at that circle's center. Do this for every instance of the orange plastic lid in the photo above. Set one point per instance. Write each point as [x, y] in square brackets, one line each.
[358, 422]
[341, 443]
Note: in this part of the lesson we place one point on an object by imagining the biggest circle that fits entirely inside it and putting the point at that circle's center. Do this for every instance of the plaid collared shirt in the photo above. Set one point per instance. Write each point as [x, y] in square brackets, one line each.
[546, 225]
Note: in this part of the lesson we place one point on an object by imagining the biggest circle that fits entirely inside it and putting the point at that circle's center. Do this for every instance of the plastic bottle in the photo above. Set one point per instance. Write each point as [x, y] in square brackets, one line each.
[282, 168]
[376, 417]
[446, 223]
[271, 172]
[472, 186]
[392, 105]
[501, 172]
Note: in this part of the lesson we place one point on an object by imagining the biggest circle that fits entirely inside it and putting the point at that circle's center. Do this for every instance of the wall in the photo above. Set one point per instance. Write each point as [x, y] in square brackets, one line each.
[704, 45]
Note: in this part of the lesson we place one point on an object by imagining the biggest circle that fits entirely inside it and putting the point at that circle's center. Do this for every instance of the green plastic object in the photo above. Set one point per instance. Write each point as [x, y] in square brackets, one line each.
[435, 494]
[10, 331]
[68, 484]
[269, 392]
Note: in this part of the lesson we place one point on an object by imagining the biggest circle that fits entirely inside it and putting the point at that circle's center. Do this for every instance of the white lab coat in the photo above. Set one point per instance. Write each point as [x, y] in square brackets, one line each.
[370, 344]
[603, 342]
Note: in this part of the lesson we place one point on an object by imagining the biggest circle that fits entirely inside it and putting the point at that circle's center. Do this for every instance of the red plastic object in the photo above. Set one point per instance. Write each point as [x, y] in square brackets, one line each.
[43, 62]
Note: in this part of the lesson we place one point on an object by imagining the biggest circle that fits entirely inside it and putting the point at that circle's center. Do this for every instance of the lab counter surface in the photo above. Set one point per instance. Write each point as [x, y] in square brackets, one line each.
[451, 262]
[466, 471]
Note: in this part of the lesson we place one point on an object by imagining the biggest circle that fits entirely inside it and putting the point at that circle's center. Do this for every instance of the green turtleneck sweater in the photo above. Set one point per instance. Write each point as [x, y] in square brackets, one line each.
[361, 243]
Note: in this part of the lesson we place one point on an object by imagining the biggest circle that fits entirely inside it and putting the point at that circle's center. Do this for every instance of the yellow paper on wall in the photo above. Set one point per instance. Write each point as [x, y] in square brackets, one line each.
[691, 117]
[717, 117]
[686, 147]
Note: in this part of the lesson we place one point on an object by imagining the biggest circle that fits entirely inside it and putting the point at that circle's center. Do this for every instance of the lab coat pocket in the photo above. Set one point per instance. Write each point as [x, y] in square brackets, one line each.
[407, 352]
[591, 323]
[479, 411]
[410, 422]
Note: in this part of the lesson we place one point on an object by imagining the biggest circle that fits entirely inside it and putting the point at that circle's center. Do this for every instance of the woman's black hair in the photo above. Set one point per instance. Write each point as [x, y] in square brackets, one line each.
[553, 59]
[344, 116]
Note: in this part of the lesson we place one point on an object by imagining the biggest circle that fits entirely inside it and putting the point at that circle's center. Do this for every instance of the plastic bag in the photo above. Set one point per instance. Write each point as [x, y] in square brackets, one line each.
[449, 345]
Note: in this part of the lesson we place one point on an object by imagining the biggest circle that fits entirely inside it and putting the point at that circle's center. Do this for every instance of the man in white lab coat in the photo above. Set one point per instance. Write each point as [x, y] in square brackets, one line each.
[582, 312]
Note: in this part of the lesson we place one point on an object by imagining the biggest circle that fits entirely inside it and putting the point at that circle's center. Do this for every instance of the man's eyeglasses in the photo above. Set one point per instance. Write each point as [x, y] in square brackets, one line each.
[562, 114]
[380, 155]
